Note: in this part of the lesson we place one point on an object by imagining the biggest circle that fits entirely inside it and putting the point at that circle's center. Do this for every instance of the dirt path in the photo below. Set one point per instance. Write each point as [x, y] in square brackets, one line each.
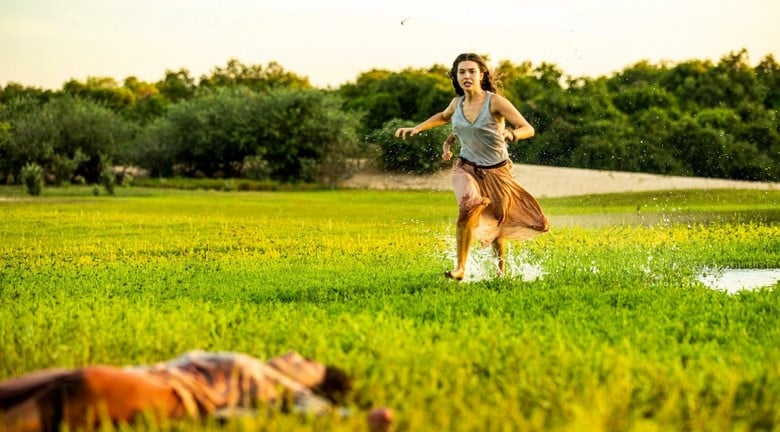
[548, 182]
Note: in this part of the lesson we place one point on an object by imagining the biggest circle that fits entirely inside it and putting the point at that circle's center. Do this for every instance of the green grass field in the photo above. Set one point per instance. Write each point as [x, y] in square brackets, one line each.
[613, 333]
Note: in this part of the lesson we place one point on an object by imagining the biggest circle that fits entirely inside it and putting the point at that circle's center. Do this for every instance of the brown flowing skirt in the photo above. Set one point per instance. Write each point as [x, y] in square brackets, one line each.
[513, 213]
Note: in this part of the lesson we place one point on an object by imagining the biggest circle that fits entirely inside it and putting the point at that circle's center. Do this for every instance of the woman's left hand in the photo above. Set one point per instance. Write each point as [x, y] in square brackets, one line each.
[509, 136]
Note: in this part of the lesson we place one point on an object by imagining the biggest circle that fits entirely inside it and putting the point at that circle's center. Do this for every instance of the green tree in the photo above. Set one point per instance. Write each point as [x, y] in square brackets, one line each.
[642, 97]
[524, 83]
[742, 84]
[255, 77]
[641, 74]
[177, 85]
[306, 136]
[605, 145]
[292, 134]
[66, 136]
[104, 90]
[13, 91]
[419, 154]
[757, 125]
[207, 135]
[412, 94]
[654, 150]
[148, 103]
[768, 75]
[702, 148]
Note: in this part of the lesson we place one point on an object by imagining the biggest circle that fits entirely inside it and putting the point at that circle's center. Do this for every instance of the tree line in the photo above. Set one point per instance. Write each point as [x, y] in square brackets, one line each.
[694, 118]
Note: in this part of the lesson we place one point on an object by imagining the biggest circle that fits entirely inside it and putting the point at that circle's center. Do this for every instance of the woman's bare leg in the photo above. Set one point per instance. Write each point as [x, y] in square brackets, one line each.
[499, 246]
[467, 221]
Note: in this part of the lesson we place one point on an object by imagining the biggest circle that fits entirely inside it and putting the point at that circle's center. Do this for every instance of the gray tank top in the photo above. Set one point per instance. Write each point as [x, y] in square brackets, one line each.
[481, 142]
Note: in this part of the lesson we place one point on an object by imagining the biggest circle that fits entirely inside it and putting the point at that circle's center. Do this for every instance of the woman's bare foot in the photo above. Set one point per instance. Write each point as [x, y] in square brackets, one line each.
[455, 274]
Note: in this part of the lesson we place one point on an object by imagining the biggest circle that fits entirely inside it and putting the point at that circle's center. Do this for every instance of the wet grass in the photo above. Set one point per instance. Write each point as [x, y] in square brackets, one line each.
[616, 334]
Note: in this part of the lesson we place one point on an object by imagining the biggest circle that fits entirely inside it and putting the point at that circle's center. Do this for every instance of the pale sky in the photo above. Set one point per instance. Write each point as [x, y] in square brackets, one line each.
[44, 43]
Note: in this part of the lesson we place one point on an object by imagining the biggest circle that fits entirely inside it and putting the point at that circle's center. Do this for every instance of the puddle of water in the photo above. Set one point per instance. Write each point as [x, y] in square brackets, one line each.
[734, 280]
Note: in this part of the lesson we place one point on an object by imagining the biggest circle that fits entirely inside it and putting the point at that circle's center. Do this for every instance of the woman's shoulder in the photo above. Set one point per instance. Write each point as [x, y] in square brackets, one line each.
[496, 101]
[495, 97]
[452, 107]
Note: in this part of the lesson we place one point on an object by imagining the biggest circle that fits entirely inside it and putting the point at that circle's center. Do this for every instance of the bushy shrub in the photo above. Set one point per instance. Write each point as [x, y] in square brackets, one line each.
[32, 176]
[306, 135]
[65, 136]
[255, 168]
[283, 135]
[419, 154]
[108, 179]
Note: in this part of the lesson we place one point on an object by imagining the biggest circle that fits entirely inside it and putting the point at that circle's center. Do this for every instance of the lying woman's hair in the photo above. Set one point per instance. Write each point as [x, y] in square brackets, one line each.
[335, 386]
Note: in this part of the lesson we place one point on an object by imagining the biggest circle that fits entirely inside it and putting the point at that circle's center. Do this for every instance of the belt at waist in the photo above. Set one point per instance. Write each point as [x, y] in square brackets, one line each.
[464, 161]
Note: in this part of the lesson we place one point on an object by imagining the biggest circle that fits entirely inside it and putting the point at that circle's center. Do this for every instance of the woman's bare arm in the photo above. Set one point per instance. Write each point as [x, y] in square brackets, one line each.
[436, 120]
[522, 129]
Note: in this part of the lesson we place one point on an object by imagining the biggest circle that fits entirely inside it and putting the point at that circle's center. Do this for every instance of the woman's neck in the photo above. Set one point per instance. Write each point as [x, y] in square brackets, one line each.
[474, 95]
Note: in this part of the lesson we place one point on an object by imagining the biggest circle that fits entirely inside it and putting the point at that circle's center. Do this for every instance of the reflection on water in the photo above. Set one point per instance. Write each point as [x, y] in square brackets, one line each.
[735, 280]
[671, 218]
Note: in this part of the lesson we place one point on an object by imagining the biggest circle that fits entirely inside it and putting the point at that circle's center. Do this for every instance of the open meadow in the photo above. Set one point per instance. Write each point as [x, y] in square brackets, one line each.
[601, 325]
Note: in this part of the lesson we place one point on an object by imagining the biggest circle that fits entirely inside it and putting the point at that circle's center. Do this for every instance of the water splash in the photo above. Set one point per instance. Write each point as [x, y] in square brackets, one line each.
[733, 281]
[482, 263]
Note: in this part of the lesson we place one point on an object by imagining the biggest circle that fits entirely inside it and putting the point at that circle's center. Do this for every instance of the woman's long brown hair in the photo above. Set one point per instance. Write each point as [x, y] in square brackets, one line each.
[487, 83]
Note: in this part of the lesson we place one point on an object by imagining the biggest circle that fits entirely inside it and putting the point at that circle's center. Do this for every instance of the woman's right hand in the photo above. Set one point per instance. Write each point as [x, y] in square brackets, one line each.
[446, 153]
[404, 131]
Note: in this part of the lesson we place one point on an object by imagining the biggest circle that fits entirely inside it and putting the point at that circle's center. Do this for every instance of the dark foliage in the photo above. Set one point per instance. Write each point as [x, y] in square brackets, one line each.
[264, 123]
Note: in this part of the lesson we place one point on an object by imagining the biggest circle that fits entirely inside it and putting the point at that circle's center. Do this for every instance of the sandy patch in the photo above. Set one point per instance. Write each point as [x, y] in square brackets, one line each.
[548, 182]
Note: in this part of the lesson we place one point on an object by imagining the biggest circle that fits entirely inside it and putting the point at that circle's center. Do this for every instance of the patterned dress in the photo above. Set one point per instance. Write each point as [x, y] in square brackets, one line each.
[223, 384]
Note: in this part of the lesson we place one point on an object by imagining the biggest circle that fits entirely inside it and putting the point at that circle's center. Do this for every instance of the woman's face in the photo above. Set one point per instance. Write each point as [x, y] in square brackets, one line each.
[469, 75]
